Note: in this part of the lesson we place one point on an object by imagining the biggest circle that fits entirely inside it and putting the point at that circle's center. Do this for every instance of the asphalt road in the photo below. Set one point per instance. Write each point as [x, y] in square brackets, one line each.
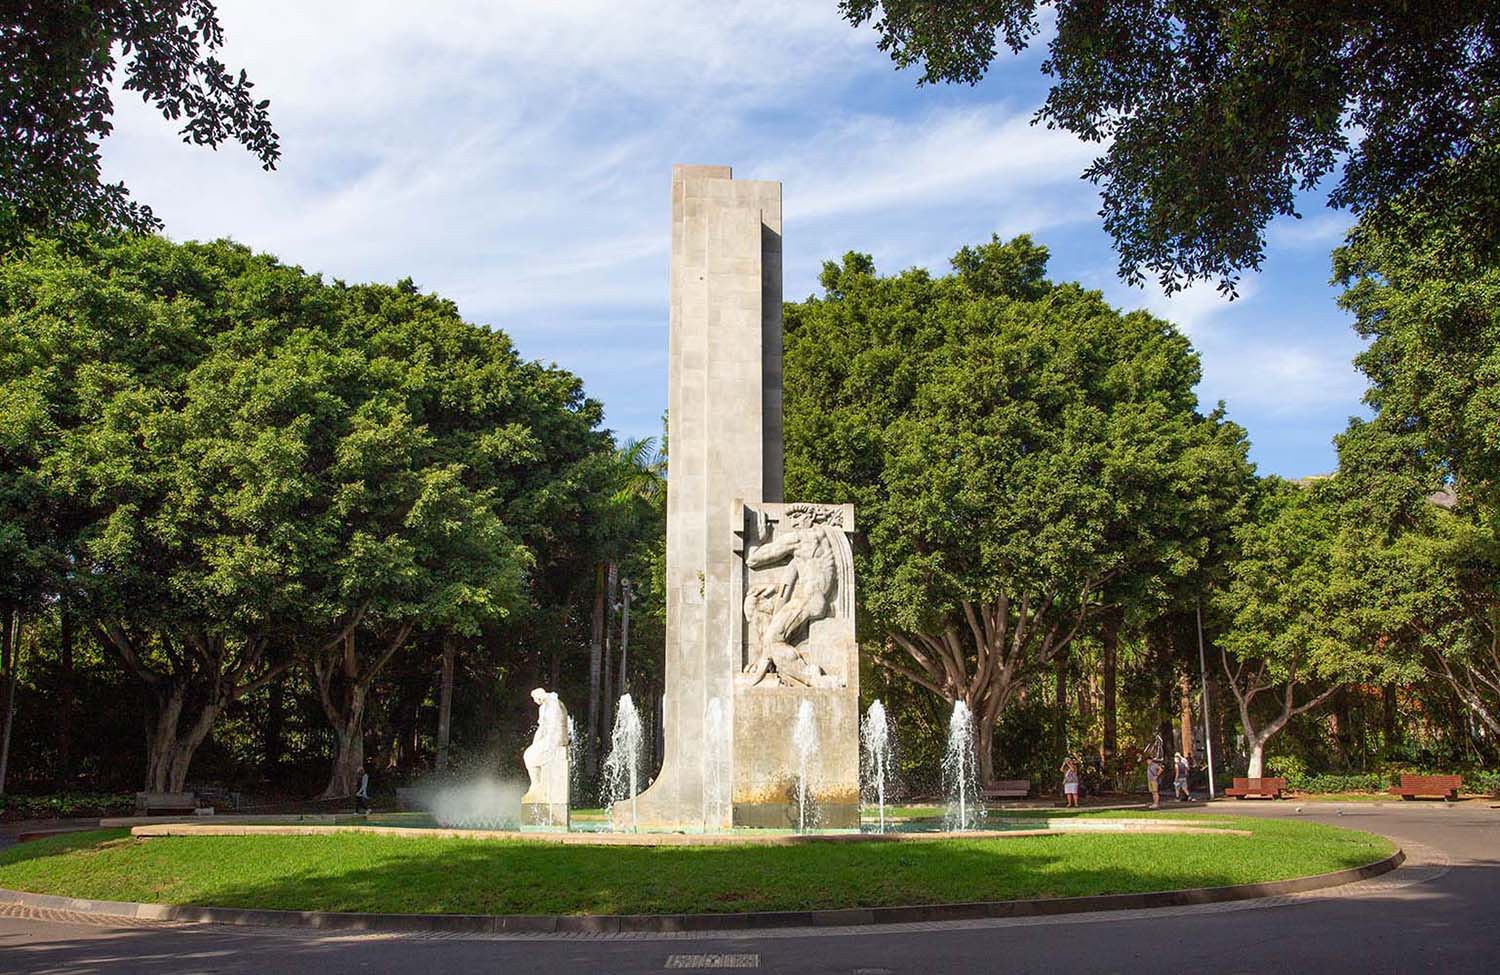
[1440, 912]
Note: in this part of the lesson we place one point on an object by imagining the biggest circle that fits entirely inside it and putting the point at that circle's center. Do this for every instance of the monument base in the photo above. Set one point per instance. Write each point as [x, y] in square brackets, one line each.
[786, 815]
[767, 763]
[547, 815]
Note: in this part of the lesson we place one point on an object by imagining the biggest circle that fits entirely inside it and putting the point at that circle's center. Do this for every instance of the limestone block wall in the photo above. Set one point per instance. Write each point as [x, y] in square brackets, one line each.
[724, 428]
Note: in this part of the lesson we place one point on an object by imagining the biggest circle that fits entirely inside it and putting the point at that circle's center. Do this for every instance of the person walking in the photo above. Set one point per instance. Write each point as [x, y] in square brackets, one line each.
[1181, 767]
[1070, 782]
[1153, 781]
[362, 794]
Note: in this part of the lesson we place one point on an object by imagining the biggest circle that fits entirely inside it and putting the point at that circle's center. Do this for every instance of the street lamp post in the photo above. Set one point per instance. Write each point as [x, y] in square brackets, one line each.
[1208, 739]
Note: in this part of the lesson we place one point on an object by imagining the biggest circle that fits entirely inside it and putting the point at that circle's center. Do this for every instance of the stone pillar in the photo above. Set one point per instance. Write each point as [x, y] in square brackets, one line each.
[724, 433]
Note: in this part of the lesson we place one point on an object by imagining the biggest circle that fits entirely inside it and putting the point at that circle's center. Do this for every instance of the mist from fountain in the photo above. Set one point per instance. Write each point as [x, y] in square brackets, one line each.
[481, 803]
[961, 773]
[875, 737]
[622, 767]
[805, 744]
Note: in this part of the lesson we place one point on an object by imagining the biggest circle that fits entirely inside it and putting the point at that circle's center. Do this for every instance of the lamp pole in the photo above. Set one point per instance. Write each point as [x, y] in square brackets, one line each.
[1208, 739]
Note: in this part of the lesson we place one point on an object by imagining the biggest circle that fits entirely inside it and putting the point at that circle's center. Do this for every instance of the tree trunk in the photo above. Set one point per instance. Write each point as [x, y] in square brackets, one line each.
[596, 667]
[349, 755]
[1257, 758]
[161, 735]
[1255, 684]
[987, 748]
[342, 689]
[983, 657]
[445, 701]
[184, 747]
[65, 692]
[169, 750]
[1162, 647]
[274, 741]
[12, 668]
[1185, 709]
[607, 702]
[1060, 688]
[1109, 640]
[1390, 730]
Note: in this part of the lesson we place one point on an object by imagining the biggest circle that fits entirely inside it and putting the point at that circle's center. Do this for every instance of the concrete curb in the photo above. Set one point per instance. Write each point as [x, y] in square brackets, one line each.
[1052, 827]
[669, 923]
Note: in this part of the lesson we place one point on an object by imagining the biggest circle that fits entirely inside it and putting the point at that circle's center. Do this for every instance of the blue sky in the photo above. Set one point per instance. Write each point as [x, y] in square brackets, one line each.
[516, 157]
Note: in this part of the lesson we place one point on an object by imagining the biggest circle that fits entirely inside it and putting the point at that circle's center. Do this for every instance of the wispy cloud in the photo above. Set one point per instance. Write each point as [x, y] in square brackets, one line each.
[515, 156]
[1322, 231]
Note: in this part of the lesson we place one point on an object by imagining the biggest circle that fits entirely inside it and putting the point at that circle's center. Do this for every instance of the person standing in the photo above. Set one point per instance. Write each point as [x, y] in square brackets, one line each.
[1153, 781]
[1070, 782]
[362, 794]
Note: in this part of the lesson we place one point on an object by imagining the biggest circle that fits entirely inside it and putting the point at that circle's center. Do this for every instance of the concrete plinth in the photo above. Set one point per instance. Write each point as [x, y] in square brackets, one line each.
[766, 766]
[547, 815]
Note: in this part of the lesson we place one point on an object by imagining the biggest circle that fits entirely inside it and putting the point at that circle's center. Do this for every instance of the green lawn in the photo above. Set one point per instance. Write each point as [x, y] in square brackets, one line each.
[354, 872]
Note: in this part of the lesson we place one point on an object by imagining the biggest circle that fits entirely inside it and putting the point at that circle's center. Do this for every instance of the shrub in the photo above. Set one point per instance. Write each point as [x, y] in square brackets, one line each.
[66, 805]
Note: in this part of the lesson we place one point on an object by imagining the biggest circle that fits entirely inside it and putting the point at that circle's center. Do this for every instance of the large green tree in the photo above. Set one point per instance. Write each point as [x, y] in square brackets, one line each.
[1296, 609]
[1427, 297]
[1022, 455]
[1214, 115]
[58, 59]
[264, 468]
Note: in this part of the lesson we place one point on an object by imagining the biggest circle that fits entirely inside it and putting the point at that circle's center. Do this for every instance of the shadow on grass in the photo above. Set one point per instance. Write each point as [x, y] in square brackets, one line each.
[60, 845]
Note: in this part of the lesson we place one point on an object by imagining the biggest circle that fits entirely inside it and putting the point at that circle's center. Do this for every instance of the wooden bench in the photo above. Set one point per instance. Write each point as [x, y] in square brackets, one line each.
[1008, 789]
[147, 803]
[1443, 787]
[1260, 788]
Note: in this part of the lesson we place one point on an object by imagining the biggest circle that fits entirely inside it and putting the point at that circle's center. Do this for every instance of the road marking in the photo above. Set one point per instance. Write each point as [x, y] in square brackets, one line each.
[712, 961]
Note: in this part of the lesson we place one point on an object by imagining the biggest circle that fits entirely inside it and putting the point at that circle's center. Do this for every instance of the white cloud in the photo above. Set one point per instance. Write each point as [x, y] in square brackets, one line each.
[1196, 305]
[515, 156]
[1323, 231]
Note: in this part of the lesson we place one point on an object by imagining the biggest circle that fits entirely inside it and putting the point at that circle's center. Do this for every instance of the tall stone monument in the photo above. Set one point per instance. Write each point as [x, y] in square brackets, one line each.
[760, 593]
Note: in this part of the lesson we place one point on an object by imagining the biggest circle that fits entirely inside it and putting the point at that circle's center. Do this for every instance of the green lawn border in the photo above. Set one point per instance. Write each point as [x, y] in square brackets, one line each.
[669, 923]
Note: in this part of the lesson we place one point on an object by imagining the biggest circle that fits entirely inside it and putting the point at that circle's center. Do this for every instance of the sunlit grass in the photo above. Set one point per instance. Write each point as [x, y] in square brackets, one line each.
[362, 872]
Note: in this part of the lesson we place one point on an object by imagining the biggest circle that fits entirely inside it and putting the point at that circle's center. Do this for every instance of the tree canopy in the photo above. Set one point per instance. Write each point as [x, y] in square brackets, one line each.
[58, 59]
[1021, 454]
[255, 464]
[1213, 116]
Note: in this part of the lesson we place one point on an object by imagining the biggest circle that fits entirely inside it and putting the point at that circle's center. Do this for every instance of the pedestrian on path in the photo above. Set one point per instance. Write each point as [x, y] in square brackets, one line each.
[1070, 782]
[1153, 782]
[362, 794]
[1180, 781]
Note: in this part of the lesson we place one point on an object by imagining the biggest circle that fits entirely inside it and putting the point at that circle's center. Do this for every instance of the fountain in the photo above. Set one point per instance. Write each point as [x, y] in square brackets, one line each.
[875, 736]
[805, 744]
[960, 772]
[622, 768]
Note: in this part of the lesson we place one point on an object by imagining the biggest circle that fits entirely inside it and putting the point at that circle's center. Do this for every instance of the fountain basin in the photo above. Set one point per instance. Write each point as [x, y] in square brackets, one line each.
[752, 837]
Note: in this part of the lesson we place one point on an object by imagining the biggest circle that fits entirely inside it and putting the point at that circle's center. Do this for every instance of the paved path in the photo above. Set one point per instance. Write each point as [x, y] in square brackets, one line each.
[1441, 912]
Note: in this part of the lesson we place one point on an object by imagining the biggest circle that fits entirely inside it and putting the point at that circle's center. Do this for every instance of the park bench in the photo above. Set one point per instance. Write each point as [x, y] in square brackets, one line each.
[1260, 788]
[1008, 789]
[1438, 786]
[147, 803]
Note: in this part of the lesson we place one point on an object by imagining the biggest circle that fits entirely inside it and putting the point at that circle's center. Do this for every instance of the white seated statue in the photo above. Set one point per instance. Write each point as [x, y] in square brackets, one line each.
[548, 765]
